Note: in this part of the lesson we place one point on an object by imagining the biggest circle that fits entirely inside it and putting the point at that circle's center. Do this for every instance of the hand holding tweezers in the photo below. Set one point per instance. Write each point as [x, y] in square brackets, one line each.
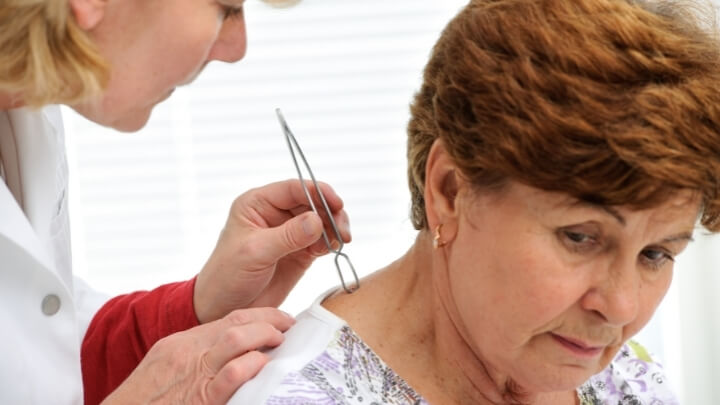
[293, 146]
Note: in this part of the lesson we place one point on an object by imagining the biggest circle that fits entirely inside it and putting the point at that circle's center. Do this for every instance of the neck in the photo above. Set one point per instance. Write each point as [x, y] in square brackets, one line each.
[10, 100]
[403, 312]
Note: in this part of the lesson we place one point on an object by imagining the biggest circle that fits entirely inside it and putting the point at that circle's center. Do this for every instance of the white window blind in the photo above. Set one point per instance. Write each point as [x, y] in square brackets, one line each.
[147, 208]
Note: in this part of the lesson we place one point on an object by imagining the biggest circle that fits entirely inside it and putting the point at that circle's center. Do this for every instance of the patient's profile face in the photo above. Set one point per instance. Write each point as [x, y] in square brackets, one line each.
[545, 288]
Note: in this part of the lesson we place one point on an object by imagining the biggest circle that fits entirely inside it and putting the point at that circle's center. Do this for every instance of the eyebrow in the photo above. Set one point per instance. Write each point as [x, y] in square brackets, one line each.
[611, 211]
[231, 3]
[680, 237]
[608, 210]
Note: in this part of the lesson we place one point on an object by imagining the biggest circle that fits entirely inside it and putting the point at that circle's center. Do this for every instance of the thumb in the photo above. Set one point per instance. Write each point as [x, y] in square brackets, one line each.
[293, 235]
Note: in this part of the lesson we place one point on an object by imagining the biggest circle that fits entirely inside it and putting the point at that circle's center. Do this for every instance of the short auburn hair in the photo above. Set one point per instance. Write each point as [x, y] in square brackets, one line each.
[47, 59]
[616, 102]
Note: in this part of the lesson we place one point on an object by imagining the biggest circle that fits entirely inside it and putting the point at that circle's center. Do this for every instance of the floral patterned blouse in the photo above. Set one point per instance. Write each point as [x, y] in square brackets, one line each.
[324, 362]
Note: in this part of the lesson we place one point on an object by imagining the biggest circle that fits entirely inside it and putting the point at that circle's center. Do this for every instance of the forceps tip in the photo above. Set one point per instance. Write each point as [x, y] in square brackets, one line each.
[280, 115]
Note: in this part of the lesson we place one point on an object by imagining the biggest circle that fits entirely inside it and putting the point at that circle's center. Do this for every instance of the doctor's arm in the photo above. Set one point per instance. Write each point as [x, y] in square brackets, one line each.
[135, 341]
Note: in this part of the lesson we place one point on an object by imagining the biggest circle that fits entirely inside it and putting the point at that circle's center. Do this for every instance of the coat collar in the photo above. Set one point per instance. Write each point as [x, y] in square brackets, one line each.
[17, 230]
[38, 135]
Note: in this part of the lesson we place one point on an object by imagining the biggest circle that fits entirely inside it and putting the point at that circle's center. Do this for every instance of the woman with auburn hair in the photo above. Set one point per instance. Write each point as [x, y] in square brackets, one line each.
[560, 154]
[194, 341]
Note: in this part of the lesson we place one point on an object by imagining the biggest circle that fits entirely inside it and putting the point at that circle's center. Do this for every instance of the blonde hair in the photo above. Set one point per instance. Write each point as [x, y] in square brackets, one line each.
[45, 58]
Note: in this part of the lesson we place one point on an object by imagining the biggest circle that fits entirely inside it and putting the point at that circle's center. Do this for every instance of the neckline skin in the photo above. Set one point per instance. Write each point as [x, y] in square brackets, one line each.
[10, 101]
[416, 337]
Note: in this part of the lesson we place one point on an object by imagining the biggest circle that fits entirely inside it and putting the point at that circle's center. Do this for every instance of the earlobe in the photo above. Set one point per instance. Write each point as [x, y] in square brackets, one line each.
[88, 13]
[442, 185]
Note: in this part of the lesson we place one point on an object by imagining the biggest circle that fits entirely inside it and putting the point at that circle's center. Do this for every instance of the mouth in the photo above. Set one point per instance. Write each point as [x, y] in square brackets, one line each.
[578, 347]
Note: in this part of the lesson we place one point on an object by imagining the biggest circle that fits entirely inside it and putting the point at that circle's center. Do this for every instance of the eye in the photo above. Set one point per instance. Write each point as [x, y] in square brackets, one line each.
[655, 258]
[577, 237]
[577, 240]
[232, 12]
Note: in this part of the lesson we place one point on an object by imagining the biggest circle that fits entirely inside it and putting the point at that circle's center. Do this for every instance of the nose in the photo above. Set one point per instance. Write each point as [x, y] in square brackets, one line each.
[616, 295]
[231, 43]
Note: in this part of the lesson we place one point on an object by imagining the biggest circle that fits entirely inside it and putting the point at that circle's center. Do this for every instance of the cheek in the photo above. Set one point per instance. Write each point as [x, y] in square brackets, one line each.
[196, 50]
[184, 56]
[651, 294]
[177, 64]
[516, 287]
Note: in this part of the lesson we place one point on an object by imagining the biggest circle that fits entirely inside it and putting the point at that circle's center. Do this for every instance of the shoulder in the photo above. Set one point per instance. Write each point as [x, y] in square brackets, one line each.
[322, 360]
[634, 377]
[304, 343]
[347, 372]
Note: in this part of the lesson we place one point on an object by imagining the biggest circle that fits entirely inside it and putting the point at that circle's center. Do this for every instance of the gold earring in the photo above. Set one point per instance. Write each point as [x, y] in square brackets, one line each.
[437, 242]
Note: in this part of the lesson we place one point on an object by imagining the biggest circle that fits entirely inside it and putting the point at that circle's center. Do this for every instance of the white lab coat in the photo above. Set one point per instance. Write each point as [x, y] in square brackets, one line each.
[44, 311]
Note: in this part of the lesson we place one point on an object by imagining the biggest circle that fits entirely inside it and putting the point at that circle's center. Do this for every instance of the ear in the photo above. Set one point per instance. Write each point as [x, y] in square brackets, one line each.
[88, 13]
[442, 183]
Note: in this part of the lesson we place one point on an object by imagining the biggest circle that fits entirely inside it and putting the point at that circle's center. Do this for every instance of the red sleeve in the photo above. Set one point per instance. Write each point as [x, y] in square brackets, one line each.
[125, 328]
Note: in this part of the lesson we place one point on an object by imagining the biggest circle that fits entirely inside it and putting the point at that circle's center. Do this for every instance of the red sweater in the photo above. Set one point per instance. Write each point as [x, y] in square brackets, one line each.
[125, 328]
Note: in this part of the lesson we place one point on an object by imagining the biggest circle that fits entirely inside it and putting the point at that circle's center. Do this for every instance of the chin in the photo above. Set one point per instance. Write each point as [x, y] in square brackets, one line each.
[554, 379]
[131, 122]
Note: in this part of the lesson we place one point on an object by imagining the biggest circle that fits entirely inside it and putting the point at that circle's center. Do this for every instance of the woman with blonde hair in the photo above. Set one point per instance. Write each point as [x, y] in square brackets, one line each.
[561, 154]
[113, 61]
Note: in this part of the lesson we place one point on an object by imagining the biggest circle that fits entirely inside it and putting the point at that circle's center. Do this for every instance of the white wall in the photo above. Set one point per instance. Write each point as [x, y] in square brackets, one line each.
[147, 207]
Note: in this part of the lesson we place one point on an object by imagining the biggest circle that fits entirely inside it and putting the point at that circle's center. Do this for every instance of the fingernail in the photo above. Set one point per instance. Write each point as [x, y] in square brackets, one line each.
[335, 245]
[347, 227]
[307, 226]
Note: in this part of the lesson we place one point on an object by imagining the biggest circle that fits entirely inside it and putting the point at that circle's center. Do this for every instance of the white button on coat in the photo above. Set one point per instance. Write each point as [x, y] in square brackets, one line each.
[50, 304]
[44, 310]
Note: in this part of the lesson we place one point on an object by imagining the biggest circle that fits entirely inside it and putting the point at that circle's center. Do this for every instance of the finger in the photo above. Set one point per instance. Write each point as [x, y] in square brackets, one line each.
[335, 203]
[271, 244]
[239, 340]
[273, 204]
[208, 333]
[320, 247]
[289, 194]
[235, 373]
[341, 221]
[273, 316]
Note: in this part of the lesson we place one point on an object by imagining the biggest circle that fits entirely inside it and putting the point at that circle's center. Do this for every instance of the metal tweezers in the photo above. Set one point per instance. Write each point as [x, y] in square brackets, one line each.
[293, 146]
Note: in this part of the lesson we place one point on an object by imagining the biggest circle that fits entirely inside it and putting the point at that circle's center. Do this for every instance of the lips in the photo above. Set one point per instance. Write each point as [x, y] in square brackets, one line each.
[578, 347]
